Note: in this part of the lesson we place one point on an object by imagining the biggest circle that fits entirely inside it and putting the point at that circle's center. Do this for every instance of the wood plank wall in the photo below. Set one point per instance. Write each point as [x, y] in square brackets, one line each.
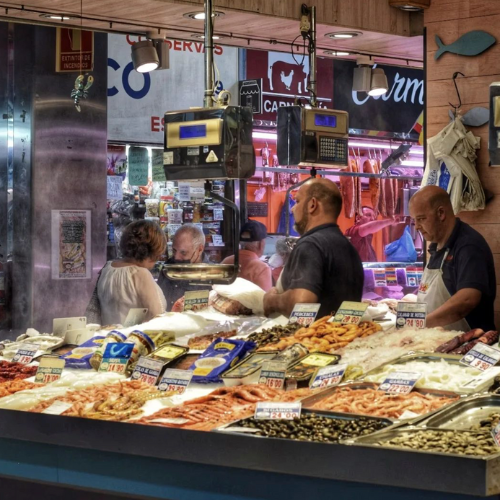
[450, 19]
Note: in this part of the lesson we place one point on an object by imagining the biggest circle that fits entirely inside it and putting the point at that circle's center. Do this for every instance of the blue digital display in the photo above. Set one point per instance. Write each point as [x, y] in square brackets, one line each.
[325, 121]
[192, 131]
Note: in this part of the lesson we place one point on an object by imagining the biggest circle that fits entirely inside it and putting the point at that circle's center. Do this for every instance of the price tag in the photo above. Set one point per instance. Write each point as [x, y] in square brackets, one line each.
[273, 374]
[116, 357]
[350, 312]
[328, 376]
[26, 353]
[49, 370]
[147, 370]
[495, 433]
[217, 240]
[57, 408]
[304, 314]
[135, 316]
[400, 382]
[184, 191]
[218, 214]
[277, 411]
[196, 301]
[481, 356]
[175, 380]
[411, 315]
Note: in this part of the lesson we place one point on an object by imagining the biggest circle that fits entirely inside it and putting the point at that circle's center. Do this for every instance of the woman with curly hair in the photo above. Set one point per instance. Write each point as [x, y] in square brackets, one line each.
[128, 283]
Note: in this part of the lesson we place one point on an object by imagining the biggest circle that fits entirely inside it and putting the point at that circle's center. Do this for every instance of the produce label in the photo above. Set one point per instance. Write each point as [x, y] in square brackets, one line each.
[411, 315]
[197, 300]
[304, 314]
[49, 370]
[26, 353]
[135, 316]
[350, 312]
[147, 370]
[116, 357]
[175, 380]
[277, 411]
[328, 376]
[273, 374]
[57, 408]
[495, 432]
[400, 382]
[481, 356]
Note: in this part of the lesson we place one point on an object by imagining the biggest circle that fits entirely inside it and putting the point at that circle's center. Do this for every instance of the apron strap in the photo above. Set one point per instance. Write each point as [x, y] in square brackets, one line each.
[444, 258]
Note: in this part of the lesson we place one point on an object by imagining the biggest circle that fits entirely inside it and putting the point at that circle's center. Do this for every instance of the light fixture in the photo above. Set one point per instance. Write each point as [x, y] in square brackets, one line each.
[336, 53]
[202, 37]
[344, 34]
[410, 5]
[150, 54]
[58, 17]
[200, 16]
[379, 85]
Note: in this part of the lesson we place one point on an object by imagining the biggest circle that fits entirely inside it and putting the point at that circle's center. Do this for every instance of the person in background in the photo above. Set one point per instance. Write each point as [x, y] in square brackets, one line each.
[361, 234]
[127, 283]
[323, 266]
[278, 260]
[458, 284]
[188, 247]
[252, 242]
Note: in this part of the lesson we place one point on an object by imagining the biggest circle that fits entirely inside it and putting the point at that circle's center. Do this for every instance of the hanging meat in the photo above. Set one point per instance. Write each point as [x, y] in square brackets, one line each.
[356, 166]
[382, 198]
[347, 185]
[389, 197]
[371, 167]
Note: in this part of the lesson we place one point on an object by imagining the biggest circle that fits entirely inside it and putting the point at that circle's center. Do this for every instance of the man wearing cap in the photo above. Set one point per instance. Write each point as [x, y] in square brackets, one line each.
[252, 242]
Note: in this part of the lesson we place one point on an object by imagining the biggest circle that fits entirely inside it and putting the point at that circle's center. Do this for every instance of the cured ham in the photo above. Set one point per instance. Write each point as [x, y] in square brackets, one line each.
[347, 185]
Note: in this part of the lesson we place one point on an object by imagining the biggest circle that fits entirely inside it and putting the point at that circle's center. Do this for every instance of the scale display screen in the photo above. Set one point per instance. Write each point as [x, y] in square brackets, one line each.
[321, 120]
[193, 131]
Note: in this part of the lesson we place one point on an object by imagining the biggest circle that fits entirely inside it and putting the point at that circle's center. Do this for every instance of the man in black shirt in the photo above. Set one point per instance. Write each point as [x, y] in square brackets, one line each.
[323, 267]
[458, 284]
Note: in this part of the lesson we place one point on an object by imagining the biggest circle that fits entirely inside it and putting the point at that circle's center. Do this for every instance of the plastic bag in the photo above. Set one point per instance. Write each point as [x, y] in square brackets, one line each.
[402, 250]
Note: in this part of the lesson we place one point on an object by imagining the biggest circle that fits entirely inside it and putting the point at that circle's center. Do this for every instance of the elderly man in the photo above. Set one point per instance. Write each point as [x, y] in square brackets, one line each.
[252, 242]
[188, 248]
[324, 266]
[458, 284]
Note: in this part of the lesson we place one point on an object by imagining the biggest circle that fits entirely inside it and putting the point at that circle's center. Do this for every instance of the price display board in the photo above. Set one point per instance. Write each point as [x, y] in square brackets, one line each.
[481, 356]
[350, 313]
[273, 374]
[116, 357]
[304, 314]
[175, 380]
[411, 315]
[400, 382]
[277, 411]
[147, 370]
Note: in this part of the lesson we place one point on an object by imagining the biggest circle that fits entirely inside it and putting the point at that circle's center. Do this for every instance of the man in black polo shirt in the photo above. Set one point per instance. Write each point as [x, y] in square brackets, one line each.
[323, 267]
[458, 284]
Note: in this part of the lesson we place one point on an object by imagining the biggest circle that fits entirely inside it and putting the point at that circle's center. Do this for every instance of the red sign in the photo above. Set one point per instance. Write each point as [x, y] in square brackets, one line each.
[74, 50]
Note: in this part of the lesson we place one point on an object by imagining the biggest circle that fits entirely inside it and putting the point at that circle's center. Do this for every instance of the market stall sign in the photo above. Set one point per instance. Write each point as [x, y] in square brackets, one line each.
[26, 353]
[266, 410]
[481, 356]
[273, 374]
[175, 380]
[400, 382]
[147, 370]
[411, 315]
[138, 163]
[328, 376]
[135, 316]
[495, 433]
[350, 313]
[49, 370]
[304, 314]
[157, 165]
[197, 300]
[61, 325]
[57, 408]
[116, 357]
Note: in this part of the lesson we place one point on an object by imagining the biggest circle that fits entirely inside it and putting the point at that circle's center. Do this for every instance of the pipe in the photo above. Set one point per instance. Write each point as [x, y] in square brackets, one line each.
[208, 101]
[312, 59]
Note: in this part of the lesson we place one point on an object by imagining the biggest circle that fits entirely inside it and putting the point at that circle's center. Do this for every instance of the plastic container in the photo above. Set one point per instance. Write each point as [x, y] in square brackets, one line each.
[152, 207]
[305, 368]
[248, 370]
[113, 336]
[143, 347]
[174, 215]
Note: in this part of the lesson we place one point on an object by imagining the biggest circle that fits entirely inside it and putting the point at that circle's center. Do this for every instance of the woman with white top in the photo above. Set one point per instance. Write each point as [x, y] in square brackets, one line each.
[128, 283]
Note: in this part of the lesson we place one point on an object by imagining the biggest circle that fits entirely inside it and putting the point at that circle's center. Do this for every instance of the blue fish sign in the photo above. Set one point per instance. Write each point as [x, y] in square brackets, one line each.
[470, 44]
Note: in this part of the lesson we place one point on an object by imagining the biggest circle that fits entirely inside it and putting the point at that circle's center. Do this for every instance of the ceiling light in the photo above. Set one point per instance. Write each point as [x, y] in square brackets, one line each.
[202, 37]
[58, 17]
[144, 56]
[410, 8]
[336, 53]
[200, 16]
[379, 85]
[344, 34]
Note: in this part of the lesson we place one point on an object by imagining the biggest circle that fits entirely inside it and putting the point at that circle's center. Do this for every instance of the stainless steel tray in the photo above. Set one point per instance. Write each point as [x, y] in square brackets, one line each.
[309, 401]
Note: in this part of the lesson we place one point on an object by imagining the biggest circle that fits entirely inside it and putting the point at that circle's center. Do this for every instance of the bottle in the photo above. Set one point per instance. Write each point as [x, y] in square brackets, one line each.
[196, 213]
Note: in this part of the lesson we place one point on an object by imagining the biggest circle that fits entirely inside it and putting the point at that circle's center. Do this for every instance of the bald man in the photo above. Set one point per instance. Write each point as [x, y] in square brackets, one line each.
[323, 267]
[458, 284]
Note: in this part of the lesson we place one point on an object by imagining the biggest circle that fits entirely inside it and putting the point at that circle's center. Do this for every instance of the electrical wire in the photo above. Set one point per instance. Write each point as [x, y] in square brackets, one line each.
[303, 53]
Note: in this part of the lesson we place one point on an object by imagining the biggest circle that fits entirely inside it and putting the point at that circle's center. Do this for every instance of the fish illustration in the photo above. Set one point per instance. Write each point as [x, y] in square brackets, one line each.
[475, 117]
[470, 44]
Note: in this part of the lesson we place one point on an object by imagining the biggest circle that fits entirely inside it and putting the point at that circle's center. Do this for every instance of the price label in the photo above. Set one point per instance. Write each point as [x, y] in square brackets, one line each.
[218, 214]
[147, 370]
[304, 314]
[411, 315]
[184, 191]
[135, 316]
[481, 356]
[350, 313]
[400, 382]
[277, 411]
[197, 193]
[328, 376]
[273, 374]
[49, 370]
[197, 300]
[116, 357]
[217, 240]
[495, 433]
[175, 380]
[57, 408]
[26, 353]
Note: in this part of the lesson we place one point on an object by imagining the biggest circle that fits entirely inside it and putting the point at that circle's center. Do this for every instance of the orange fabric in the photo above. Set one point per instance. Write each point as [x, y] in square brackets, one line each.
[252, 269]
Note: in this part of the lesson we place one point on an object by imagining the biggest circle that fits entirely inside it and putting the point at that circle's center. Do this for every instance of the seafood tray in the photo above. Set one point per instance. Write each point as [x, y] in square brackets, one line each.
[310, 401]
[305, 368]
[464, 414]
[247, 371]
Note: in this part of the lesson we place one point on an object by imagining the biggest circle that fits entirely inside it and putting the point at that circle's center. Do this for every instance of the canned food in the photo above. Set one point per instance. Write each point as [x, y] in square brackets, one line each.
[143, 345]
[113, 336]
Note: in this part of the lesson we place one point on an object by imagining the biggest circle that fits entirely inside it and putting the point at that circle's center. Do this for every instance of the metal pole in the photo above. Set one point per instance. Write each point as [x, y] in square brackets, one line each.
[312, 59]
[208, 101]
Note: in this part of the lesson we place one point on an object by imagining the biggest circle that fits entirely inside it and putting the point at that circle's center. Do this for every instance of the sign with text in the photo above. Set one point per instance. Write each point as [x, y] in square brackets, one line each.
[196, 300]
[138, 163]
[273, 374]
[115, 190]
[328, 376]
[350, 313]
[411, 315]
[277, 411]
[175, 380]
[49, 370]
[74, 50]
[400, 382]
[26, 353]
[116, 357]
[304, 314]
[57, 408]
[147, 370]
[481, 356]
[157, 165]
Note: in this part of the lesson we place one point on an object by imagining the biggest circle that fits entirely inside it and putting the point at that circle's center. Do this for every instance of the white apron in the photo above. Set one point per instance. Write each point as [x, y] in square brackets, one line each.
[434, 293]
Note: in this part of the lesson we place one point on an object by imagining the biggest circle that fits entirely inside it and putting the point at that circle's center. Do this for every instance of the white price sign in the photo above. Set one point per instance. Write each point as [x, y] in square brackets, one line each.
[481, 356]
[400, 382]
[147, 370]
[304, 314]
[328, 376]
[411, 315]
[175, 380]
[277, 411]
[273, 374]
[350, 313]
[26, 353]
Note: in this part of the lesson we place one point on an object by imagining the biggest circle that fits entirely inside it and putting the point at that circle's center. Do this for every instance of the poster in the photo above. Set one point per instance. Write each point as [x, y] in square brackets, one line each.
[138, 162]
[71, 246]
[115, 189]
[117, 160]
[157, 165]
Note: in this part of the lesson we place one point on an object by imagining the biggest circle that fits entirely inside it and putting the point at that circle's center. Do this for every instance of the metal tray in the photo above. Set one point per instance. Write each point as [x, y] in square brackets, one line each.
[462, 414]
[309, 401]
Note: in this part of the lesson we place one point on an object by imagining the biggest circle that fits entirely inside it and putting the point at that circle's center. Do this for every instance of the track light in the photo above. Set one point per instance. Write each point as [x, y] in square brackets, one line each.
[365, 79]
[151, 54]
[379, 84]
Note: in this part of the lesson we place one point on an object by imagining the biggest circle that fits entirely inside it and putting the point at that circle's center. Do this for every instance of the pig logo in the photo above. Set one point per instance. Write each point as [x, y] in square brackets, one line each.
[285, 75]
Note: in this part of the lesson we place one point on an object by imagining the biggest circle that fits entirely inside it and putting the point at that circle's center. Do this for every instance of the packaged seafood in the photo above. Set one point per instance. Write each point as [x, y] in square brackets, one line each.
[305, 368]
[184, 362]
[203, 341]
[160, 337]
[168, 352]
[248, 370]
[113, 336]
[79, 357]
[143, 345]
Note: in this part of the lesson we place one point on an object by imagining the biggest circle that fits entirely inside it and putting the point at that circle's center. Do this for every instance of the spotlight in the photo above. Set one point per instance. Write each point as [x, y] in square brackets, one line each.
[144, 56]
[336, 53]
[379, 84]
[344, 34]
[365, 79]
[58, 17]
[200, 16]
